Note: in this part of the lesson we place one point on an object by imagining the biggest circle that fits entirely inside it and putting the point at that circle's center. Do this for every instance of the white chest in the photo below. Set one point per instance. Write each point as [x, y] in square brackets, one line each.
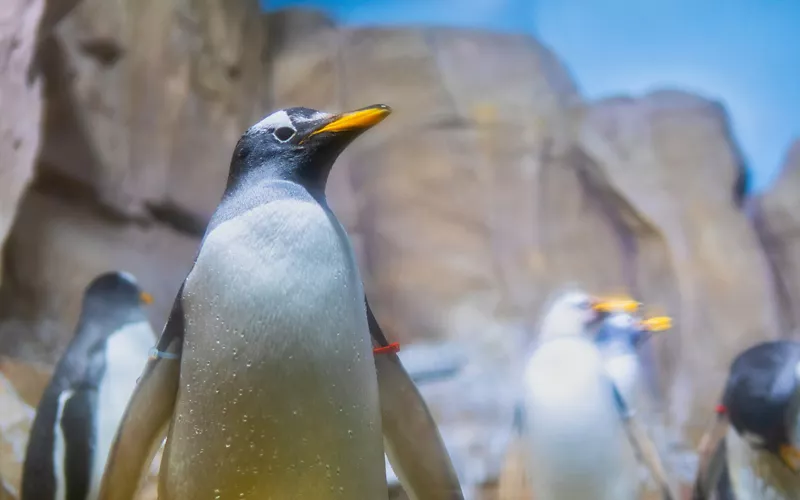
[277, 370]
[287, 263]
[126, 355]
[757, 475]
[578, 448]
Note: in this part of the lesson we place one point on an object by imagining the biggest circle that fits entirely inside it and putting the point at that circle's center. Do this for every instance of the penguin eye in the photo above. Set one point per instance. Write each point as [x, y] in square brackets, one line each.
[283, 134]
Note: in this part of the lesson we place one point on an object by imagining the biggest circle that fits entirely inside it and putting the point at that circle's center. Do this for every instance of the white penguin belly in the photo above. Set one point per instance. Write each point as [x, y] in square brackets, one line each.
[623, 369]
[757, 475]
[576, 444]
[278, 395]
[126, 355]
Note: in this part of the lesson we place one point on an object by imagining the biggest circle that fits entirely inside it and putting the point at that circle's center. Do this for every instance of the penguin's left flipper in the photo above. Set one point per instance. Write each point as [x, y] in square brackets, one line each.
[412, 440]
[77, 424]
[145, 422]
[713, 456]
[643, 445]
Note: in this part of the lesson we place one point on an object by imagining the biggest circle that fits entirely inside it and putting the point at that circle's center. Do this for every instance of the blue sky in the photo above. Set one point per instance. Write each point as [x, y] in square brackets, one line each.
[745, 53]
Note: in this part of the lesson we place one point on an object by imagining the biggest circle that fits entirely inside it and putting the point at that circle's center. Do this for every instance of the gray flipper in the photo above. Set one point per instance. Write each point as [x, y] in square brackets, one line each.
[413, 444]
[149, 411]
[712, 471]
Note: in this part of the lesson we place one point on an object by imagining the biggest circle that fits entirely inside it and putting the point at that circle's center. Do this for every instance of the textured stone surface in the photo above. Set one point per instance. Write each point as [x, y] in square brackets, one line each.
[60, 245]
[777, 216]
[23, 23]
[669, 160]
[147, 99]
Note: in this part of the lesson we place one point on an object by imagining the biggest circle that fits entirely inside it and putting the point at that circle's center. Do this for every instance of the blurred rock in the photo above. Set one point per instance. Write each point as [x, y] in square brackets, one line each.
[23, 23]
[29, 379]
[58, 246]
[668, 162]
[777, 216]
[146, 99]
[15, 423]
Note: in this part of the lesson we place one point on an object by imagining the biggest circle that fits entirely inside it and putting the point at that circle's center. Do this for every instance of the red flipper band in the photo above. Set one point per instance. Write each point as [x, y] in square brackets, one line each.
[393, 347]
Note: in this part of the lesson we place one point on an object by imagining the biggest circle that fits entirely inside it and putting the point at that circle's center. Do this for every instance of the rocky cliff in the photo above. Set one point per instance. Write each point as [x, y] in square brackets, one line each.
[491, 184]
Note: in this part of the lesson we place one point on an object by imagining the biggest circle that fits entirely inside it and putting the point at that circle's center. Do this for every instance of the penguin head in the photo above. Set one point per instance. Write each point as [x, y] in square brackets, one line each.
[112, 291]
[570, 313]
[300, 144]
[761, 399]
[629, 330]
[621, 328]
[575, 312]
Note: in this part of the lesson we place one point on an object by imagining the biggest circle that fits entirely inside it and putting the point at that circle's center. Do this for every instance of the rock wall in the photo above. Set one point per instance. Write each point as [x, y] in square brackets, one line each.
[777, 216]
[492, 184]
[144, 103]
[23, 25]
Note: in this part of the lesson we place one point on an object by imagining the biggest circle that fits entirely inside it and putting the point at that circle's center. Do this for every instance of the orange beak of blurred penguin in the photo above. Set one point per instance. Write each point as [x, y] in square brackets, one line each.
[617, 304]
[146, 298]
[358, 120]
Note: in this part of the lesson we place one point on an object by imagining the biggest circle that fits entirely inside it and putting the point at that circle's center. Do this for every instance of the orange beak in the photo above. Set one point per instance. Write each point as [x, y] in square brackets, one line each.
[657, 324]
[622, 304]
[146, 298]
[360, 119]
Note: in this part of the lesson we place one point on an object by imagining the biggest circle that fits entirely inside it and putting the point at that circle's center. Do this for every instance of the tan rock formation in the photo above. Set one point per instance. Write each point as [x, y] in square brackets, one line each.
[23, 23]
[670, 161]
[61, 245]
[777, 215]
[147, 99]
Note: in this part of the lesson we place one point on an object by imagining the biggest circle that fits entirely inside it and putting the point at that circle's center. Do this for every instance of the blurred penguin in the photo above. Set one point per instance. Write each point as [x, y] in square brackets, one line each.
[755, 439]
[576, 445]
[575, 433]
[78, 415]
[621, 339]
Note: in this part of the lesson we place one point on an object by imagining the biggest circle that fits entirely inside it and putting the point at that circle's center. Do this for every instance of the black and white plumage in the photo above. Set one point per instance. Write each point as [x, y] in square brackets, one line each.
[86, 397]
[761, 448]
[274, 338]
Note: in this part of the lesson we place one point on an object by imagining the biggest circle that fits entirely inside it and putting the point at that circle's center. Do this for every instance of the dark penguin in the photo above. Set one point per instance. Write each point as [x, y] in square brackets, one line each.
[760, 450]
[83, 404]
[264, 381]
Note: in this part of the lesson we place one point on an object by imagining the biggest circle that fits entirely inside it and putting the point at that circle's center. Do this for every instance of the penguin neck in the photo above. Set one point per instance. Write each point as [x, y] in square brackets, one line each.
[314, 181]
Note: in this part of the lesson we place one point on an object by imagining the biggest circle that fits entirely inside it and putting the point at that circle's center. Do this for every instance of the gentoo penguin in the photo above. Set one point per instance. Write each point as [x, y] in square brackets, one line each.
[264, 379]
[78, 415]
[574, 417]
[760, 451]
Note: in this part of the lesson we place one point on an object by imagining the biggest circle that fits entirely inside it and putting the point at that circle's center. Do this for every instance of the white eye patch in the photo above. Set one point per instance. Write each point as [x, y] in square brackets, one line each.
[127, 277]
[278, 119]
